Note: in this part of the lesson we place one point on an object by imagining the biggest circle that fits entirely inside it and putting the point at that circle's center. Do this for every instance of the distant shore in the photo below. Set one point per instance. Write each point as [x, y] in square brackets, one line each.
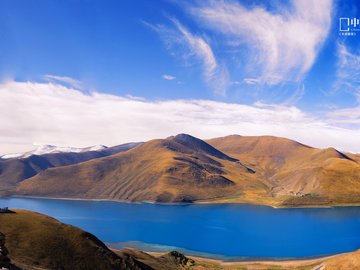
[208, 202]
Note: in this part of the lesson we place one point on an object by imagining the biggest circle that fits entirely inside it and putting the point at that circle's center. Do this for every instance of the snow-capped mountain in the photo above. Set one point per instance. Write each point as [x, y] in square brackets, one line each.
[50, 149]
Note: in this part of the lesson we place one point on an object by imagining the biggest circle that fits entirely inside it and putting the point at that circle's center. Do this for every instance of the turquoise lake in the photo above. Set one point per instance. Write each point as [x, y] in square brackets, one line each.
[226, 231]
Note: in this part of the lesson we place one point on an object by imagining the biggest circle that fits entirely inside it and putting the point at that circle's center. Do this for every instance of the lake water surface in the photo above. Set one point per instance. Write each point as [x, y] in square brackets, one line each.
[226, 231]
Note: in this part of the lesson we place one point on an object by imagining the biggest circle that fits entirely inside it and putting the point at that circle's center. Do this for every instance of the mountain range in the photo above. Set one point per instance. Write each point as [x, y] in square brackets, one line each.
[15, 168]
[238, 169]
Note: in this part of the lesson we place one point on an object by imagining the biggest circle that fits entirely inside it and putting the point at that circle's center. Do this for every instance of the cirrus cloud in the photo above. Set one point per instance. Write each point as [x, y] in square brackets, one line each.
[190, 47]
[278, 45]
[347, 80]
[68, 81]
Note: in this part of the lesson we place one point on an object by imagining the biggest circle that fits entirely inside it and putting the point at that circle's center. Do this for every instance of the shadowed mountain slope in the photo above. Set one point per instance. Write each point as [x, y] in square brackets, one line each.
[355, 157]
[190, 144]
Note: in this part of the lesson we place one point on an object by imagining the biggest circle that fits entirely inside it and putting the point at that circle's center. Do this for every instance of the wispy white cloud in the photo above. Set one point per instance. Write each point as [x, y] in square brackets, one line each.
[348, 70]
[348, 116]
[190, 47]
[277, 46]
[296, 95]
[68, 81]
[49, 113]
[200, 48]
[252, 80]
[348, 80]
[168, 77]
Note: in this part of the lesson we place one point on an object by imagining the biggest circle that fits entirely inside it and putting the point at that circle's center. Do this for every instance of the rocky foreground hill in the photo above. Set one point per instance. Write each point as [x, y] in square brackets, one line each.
[35, 241]
[240, 169]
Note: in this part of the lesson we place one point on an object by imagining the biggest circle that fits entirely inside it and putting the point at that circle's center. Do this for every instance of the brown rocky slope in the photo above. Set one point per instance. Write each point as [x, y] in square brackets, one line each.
[262, 170]
[15, 170]
[298, 174]
[176, 169]
[35, 241]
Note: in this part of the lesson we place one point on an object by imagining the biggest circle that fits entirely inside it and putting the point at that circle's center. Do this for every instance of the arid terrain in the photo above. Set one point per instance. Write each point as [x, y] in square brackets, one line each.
[238, 169]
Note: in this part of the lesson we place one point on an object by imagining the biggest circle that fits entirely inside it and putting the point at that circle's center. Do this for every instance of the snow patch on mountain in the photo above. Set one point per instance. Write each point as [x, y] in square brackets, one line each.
[50, 149]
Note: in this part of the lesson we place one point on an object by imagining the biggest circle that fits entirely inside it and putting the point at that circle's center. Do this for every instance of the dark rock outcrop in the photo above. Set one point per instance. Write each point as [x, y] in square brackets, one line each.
[4, 259]
[179, 259]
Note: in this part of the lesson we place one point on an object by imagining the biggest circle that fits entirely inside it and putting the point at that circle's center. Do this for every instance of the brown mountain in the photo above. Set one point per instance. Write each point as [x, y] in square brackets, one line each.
[15, 170]
[176, 169]
[262, 170]
[355, 157]
[298, 174]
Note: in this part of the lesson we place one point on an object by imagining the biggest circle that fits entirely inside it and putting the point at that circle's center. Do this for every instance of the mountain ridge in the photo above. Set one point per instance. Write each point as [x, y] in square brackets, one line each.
[159, 170]
[15, 170]
[239, 169]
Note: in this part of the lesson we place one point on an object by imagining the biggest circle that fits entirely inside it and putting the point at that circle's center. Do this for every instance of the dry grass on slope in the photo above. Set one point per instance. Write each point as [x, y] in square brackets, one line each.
[41, 242]
[261, 170]
[170, 170]
[297, 174]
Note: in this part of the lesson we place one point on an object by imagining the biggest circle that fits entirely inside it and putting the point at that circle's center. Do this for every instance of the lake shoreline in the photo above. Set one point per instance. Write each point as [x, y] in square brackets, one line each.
[238, 218]
[222, 258]
[267, 262]
[205, 202]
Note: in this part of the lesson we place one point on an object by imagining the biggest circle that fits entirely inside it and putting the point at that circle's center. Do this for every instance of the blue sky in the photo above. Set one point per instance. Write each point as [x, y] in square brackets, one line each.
[278, 58]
